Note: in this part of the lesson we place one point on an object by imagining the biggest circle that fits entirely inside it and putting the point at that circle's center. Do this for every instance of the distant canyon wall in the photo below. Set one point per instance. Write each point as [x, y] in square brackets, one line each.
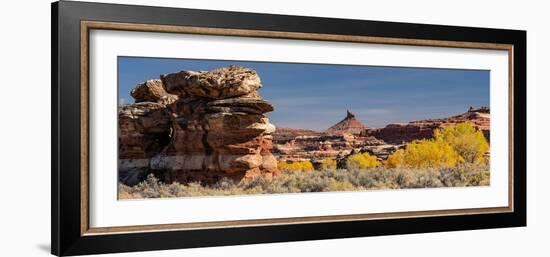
[351, 136]
[406, 132]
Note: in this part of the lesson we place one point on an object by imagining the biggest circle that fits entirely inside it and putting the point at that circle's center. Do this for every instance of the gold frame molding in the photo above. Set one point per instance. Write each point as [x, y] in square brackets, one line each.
[86, 26]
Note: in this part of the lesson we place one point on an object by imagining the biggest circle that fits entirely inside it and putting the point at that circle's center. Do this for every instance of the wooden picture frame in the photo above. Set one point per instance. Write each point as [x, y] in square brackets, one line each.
[71, 25]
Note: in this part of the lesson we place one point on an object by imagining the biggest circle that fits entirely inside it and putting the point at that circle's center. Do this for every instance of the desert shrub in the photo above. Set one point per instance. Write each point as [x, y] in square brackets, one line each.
[308, 183]
[377, 178]
[124, 192]
[361, 161]
[328, 164]
[224, 184]
[335, 185]
[150, 187]
[295, 166]
[425, 178]
[465, 174]
[381, 177]
[466, 140]
[481, 178]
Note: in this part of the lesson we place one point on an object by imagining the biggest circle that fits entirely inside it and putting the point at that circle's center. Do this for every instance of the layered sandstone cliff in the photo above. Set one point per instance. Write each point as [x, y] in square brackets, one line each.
[405, 132]
[197, 126]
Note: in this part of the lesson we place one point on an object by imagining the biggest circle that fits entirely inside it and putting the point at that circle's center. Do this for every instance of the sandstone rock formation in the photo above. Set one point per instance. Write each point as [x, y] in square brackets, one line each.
[197, 126]
[152, 91]
[348, 125]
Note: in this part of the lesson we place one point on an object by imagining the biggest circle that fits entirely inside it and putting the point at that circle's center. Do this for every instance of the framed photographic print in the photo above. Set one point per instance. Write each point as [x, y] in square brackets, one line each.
[178, 128]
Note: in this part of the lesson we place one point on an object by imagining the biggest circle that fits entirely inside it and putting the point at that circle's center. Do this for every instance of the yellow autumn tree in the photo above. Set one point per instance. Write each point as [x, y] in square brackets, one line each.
[429, 154]
[361, 161]
[295, 166]
[466, 140]
[328, 164]
[396, 159]
[451, 145]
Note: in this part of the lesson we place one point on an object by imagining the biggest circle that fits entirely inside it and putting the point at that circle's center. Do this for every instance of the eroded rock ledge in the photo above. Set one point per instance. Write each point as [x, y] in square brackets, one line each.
[197, 127]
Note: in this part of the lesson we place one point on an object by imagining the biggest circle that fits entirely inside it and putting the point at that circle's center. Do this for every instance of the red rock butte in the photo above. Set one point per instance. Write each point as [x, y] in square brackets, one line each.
[348, 125]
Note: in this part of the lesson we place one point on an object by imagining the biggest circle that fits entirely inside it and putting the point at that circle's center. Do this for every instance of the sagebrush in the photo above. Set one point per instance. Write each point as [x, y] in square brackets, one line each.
[318, 181]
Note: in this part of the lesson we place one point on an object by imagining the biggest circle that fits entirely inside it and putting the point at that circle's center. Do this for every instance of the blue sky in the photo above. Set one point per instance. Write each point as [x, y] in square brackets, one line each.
[316, 96]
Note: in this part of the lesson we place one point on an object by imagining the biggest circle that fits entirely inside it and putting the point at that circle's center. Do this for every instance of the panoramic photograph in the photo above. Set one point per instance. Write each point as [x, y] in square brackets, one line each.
[196, 128]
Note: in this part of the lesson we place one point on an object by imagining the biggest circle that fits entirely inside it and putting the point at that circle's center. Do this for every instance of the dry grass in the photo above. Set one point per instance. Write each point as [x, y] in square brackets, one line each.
[318, 181]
